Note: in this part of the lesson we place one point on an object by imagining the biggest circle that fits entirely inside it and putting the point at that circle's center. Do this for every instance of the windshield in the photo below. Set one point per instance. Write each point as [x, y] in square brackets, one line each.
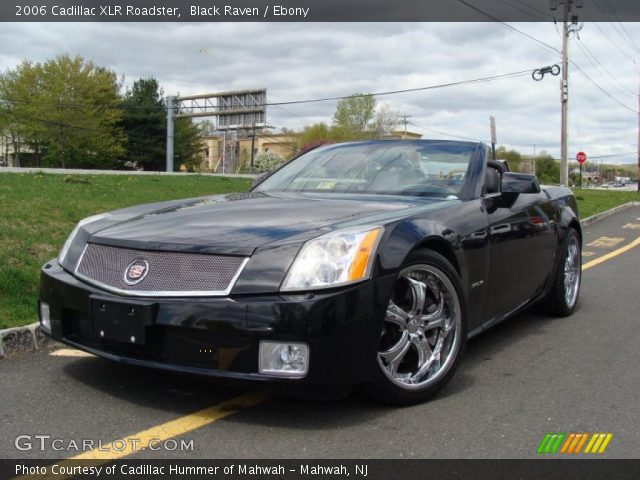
[417, 168]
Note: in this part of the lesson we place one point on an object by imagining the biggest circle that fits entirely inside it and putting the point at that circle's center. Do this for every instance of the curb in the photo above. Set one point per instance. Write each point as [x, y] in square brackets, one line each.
[21, 339]
[79, 171]
[30, 337]
[606, 214]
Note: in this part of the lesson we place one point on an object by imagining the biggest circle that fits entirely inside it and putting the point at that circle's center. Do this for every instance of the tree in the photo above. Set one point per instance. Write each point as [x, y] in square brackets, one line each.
[547, 169]
[67, 110]
[144, 123]
[356, 118]
[18, 125]
[267, 161]
[513, 158]
[72, 107]
[207, 127]
[10, 127]
[384, 122]
[187, 145]
[318, 132]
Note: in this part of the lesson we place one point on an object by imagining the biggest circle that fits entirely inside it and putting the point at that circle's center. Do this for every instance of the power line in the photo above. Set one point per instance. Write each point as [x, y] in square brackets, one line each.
[513, 29]
[289, 112]
[542, 12]
[595, 62]
[408, 90]
[80, 105]
[625, 36]
[609, 38]
[615, 99]
[537, 15]
[306, 101]
[519, 32]
[444, 133]
[286, 144]
[612, 155]
[52, 122]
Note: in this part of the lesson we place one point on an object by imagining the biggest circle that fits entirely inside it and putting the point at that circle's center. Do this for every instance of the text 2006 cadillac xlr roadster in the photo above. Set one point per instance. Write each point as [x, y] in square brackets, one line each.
[365, 263]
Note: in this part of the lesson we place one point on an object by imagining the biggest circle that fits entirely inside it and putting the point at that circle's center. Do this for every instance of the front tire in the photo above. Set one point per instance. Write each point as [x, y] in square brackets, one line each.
[562, 299]
[424, 332]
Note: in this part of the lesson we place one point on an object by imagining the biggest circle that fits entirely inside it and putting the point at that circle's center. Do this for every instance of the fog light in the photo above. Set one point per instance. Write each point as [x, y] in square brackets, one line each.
[45, 317]
[284, 359]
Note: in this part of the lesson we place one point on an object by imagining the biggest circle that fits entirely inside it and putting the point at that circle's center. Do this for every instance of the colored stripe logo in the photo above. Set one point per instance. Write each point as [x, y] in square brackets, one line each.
[573, 443]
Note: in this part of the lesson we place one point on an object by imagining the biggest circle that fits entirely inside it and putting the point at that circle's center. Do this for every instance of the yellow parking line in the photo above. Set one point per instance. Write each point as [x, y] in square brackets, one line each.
[70, 352]
[173, 428]
[155, 436]
[615, 253]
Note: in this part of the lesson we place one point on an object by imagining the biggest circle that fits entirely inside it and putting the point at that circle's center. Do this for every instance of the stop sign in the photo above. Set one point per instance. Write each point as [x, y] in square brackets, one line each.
[581, 157]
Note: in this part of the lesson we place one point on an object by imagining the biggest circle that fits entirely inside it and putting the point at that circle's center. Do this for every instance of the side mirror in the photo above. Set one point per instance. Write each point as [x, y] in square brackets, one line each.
[515, 183]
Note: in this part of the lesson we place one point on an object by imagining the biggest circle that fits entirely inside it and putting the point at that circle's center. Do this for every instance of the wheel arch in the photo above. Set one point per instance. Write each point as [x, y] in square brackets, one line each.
[575, 224]
[438, 245]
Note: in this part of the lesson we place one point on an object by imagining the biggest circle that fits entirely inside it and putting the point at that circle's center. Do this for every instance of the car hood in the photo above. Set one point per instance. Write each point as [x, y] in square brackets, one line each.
[240, 223]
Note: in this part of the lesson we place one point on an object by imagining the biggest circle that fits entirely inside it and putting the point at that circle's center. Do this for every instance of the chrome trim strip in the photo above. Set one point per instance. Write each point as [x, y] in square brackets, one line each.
[166, 293]
[84, 250]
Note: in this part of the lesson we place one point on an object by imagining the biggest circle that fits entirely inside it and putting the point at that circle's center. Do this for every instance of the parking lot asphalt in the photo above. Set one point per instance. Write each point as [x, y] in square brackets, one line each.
[528, 376]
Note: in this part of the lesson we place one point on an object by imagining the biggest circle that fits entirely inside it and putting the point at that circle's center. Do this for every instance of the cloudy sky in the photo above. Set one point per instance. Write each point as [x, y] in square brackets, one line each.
[297, 61]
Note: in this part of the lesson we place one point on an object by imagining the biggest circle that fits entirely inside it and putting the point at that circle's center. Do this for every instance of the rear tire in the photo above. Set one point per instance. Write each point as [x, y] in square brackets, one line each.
[424, 332]
[562, 299]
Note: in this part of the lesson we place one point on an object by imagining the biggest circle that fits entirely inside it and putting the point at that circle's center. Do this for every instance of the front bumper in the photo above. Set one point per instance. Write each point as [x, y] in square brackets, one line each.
[220, 336]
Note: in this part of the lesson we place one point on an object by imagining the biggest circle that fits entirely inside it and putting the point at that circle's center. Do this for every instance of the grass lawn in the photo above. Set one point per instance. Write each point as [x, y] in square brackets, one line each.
[591, 202]
[38, 211]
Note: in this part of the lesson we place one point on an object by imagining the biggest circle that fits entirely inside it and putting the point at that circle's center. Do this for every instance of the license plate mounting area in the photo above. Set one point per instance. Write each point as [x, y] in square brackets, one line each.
[121, 320]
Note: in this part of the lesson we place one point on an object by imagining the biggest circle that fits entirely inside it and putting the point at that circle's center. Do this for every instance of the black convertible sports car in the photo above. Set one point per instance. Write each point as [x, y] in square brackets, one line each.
[361, 263]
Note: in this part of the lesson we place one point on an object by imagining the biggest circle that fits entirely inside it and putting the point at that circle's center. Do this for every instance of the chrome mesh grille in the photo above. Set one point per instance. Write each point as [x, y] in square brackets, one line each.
[168, 272]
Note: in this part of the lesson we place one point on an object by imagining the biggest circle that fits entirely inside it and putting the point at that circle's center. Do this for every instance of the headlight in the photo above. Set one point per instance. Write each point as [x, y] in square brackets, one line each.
[337, 258]
[81, 223]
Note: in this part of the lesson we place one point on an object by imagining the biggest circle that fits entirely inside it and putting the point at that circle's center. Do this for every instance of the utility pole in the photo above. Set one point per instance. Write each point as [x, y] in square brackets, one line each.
[564, 97]
[253, 147]
[405, 122]
[569, 25]
[224, 150]
[534, 159]
[494, 138]
[170, 130]
[638, 172]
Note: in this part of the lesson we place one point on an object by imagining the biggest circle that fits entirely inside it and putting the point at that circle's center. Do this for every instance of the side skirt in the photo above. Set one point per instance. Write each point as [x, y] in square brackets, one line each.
[497, 320]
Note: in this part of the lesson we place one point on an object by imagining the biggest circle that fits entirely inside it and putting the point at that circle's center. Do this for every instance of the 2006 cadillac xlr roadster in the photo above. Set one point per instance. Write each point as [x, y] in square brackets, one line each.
[354, 264]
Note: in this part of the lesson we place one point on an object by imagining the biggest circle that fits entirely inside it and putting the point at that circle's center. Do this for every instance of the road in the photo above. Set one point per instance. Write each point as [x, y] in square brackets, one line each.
[522, 379]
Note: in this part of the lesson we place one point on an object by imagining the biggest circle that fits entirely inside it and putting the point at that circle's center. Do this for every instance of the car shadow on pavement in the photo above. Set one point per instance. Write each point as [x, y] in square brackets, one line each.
[156, 389]
[518, 329]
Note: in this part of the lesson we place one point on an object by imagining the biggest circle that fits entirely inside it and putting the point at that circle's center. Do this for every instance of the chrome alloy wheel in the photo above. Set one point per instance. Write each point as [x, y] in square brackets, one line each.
[572, 272]
[421, 335]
